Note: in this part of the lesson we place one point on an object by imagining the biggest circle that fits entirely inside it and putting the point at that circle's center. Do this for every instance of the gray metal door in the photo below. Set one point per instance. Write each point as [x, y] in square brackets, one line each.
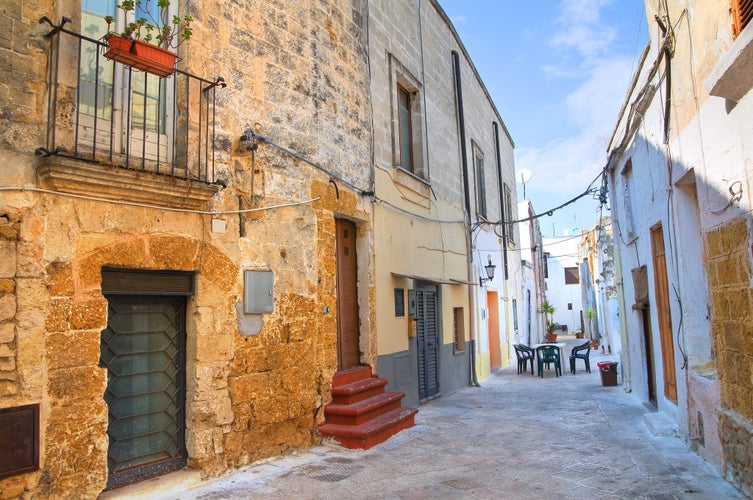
[427, 338]
[143, 348]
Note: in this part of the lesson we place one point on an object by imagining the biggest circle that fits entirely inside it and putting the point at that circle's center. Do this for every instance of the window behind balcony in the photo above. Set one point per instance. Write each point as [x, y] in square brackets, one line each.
[131, 105]
[105, 112]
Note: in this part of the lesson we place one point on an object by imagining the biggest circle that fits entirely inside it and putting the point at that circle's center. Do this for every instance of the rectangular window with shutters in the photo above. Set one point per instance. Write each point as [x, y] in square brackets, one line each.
[478, 164]
[742, 12]
[405, 121]
[508, 213]
[459, 328]
[407, 117]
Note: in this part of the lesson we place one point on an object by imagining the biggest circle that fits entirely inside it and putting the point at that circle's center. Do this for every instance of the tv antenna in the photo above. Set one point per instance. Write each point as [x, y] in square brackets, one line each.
[524, 175]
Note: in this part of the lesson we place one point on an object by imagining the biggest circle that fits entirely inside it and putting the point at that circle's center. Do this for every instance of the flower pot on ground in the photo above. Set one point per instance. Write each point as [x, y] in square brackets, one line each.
[579, 335]
[547, 309]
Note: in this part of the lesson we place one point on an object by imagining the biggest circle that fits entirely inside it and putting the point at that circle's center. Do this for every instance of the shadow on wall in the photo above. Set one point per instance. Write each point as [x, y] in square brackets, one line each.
[696, 264]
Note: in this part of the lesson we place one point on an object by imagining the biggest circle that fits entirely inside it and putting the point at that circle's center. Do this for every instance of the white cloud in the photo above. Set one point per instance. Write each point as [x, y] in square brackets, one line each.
[582, 30]
[564, 167]
[593, 106]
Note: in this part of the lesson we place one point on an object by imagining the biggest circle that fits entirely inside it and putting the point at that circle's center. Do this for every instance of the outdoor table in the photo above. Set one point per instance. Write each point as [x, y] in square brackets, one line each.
[558, 345]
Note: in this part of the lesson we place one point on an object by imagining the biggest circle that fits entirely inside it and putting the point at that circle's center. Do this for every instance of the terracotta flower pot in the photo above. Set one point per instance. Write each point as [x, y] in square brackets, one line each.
[141, 55]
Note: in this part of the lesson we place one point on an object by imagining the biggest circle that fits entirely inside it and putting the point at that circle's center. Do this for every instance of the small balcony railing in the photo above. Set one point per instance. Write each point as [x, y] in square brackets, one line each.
[103, 112]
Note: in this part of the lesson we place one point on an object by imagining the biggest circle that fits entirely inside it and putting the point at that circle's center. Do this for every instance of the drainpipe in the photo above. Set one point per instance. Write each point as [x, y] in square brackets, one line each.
[509, 321]
[501, 197]
[619, 281]
[467, 193]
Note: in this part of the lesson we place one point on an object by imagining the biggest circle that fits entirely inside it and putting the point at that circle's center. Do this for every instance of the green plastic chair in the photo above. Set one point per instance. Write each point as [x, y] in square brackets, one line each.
[547, 355]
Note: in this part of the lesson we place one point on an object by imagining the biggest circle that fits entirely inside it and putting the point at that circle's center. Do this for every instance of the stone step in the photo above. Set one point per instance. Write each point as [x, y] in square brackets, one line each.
[350, 375]
[373, 432]
[363, 411]
[359, 390]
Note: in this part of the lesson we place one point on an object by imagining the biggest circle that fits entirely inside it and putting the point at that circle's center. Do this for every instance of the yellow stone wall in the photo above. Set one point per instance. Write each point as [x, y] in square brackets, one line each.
[730, 275]
[295, 73]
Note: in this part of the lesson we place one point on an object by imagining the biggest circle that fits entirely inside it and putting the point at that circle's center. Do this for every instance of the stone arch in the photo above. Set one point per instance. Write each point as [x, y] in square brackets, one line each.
[76, 420]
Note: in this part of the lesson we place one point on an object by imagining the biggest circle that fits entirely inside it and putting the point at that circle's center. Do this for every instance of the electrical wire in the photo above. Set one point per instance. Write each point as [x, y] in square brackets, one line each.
[155, 207]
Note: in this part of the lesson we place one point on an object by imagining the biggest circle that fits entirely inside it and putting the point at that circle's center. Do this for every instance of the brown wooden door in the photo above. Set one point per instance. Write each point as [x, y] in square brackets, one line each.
[348, 354]
[495, 347]
[661, 288]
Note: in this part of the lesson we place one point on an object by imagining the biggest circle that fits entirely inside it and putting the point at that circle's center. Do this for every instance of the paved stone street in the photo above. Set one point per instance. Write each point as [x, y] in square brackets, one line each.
[516, 437]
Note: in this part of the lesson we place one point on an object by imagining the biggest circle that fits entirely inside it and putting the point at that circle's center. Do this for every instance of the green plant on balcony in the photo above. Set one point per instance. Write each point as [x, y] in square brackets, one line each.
[145, 42]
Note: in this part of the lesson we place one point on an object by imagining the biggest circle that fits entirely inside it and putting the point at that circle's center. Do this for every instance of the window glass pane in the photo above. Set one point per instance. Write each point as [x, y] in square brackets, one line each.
[478, 159]
[508, 211]
[572, 276]
[95, 91]
[406, 129]
[148, 102]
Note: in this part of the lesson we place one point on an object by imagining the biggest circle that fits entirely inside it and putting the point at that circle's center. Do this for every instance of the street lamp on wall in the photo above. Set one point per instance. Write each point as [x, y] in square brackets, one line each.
[489, 272]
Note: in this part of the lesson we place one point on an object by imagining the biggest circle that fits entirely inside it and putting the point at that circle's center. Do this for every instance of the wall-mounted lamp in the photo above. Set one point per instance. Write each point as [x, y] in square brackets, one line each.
[489, 272]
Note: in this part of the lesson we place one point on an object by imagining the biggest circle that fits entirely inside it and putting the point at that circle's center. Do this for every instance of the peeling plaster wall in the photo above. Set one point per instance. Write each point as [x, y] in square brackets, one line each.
[698, 185]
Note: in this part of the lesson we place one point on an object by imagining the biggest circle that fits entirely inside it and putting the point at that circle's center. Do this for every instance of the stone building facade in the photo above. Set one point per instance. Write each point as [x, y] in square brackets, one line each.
[175, 252]
[444, 170]
[91, 253]
[680, 175]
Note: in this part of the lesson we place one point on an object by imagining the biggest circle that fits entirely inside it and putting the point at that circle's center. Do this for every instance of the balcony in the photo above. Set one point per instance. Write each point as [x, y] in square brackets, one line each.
[119, 133]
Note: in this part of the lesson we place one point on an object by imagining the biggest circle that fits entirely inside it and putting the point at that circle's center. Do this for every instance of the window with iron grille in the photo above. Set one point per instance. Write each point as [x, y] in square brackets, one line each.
[742, 12]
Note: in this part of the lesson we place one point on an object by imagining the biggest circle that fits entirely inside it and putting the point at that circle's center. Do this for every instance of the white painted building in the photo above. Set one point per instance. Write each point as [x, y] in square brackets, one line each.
[531, 327]
[563, 280]
[680, 174]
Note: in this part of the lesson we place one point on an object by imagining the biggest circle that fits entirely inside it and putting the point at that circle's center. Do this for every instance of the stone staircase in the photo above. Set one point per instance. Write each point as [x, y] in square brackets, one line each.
[362, 414]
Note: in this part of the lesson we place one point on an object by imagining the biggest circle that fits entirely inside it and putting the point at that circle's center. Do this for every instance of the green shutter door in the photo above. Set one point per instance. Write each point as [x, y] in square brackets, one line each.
[143, 348]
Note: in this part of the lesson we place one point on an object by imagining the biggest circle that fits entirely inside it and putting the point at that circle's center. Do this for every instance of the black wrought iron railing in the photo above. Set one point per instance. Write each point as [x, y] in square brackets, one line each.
[105, 112]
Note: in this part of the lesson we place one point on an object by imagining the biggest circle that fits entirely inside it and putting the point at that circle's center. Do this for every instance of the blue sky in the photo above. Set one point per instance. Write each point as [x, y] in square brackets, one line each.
[558, 71]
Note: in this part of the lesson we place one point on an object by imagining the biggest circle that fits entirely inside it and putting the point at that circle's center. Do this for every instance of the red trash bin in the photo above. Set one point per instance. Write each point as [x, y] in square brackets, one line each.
[608, 370]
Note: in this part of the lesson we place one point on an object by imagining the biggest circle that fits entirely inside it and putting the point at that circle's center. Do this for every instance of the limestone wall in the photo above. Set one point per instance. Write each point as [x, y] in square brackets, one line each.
[730, 276]
[256, 384]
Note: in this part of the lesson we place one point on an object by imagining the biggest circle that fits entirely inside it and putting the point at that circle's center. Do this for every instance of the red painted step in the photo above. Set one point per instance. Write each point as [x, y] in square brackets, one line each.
[363, 411]
[351, 375]
[374, 431]
[358, 391]
[362, 414]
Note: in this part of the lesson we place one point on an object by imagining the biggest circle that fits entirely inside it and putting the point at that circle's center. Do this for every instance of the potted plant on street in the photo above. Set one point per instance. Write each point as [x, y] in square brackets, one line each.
[551, 326]
[145, 42]
[591, 316]
[547, 309]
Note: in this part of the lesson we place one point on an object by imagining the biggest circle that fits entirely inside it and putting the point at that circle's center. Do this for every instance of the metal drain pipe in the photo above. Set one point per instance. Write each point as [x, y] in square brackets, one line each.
[467, 194]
